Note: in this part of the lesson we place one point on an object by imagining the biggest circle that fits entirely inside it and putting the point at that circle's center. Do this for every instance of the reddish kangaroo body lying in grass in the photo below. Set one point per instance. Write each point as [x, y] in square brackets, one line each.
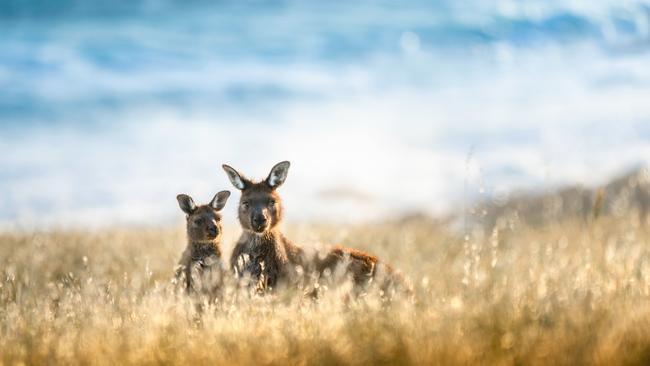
[270, 258]
[201, 269]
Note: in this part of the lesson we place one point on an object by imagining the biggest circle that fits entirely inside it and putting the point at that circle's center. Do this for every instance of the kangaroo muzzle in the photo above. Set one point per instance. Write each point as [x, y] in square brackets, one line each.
[213, 231]
[259, 223]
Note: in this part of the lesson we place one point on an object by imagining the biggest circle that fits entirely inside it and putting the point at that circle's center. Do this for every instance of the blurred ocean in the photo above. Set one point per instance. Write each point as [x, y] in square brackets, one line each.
[108, 109]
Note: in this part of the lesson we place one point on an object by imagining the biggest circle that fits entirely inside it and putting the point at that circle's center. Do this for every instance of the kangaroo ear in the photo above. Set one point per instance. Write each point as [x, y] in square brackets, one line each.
[235, 178]
[219, 200]
[186, 203]
[278, 174]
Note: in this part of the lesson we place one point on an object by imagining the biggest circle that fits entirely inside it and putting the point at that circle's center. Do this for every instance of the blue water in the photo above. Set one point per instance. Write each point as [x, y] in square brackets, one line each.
[108, 109]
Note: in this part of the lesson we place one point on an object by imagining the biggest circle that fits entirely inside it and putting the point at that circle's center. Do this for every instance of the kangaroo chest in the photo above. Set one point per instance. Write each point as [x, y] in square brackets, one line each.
[205, 256]
[204, 269]
[263, 260]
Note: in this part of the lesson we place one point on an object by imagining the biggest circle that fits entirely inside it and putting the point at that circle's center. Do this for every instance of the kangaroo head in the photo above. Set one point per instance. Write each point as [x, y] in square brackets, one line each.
[203, 222]
[260, 207]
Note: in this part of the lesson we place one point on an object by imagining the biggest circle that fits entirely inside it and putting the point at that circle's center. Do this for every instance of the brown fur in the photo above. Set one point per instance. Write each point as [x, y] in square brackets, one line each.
[362, 268]
[263, 253]
[269, 259]
[200, 269]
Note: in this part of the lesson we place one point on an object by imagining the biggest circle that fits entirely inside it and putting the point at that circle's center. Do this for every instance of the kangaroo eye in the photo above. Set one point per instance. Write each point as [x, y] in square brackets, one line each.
[244, 205]
[198, 221]
[271, 202]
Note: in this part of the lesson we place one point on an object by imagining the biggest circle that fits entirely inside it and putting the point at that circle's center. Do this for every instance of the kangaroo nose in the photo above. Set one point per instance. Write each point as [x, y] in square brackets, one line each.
[259, 220]
[212, 230]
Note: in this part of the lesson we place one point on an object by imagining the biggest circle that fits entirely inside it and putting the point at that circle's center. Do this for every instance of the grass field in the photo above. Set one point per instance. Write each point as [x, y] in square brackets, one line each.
[568, 293]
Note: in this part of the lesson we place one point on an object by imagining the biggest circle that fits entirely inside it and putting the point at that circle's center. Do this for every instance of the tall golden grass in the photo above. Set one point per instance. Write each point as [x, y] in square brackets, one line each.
[570, 293]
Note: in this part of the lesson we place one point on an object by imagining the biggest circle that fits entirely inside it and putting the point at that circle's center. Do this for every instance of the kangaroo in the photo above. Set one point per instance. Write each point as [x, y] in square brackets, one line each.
[262, 251]
[269, 257]
[200, 268]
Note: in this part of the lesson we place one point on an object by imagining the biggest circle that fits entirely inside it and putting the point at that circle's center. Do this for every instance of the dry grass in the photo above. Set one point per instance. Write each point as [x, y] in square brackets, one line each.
[573, 293]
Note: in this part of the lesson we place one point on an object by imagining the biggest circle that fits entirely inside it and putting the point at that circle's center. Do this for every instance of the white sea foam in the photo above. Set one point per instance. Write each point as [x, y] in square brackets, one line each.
[381, 111]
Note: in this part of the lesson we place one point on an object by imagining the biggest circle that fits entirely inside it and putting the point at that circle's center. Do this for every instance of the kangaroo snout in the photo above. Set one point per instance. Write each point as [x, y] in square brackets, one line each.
[259, 222]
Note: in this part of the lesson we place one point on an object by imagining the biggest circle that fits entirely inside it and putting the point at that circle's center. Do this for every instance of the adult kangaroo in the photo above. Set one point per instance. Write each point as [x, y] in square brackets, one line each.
[269, 258]
[262, 252]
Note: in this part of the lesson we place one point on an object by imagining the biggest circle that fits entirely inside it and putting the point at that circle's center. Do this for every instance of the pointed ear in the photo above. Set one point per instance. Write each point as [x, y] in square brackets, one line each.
[186, 203]
[219, 200]
[235, 178]
[278, 174]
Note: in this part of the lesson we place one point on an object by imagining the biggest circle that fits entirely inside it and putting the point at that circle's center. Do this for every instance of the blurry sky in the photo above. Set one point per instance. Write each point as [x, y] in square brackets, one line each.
[109, 109]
